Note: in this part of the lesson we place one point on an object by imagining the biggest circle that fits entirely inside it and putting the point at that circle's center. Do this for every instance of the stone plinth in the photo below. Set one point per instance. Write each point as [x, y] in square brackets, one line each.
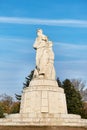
[43, 119]
[43, 96]
[43, 103]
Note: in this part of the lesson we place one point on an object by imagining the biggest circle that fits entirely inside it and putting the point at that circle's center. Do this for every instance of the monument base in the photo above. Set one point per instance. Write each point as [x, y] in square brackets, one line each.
[43, 103]
[43, 96]
[43, 120]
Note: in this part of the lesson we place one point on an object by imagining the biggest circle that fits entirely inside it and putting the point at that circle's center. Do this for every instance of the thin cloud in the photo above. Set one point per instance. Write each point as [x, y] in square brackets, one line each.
[83, 62]
[71, 69]
[71, 50]
[49, 22]
[14, 39]
[71, 46]
[19, 45]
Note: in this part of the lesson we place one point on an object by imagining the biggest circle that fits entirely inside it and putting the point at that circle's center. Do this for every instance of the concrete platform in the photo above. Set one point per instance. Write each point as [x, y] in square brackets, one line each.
[43, 120]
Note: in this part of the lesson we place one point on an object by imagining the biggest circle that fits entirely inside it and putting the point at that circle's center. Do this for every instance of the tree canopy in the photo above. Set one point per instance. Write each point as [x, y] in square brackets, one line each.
[25, 84]
[8, 105]
[74, 101]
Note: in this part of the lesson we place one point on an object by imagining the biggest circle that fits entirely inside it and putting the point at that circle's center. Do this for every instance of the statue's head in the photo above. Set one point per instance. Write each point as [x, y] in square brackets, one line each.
[39, 32]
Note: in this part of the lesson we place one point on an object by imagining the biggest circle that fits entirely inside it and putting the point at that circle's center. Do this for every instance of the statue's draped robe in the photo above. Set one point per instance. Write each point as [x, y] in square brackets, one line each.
[44, 58]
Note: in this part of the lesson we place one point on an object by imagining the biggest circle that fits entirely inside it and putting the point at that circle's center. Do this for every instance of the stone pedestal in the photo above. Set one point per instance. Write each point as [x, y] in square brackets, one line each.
[43, 96]
[43, 103]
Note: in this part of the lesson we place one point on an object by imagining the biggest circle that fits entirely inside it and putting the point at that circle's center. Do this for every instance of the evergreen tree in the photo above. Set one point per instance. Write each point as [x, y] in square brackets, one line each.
[28, 79]
[25, 84]
[59, 82]
[73, 98]
[18, 97]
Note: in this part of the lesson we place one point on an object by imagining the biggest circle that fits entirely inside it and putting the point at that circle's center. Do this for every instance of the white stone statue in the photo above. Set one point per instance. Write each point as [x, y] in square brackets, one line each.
[44, 57]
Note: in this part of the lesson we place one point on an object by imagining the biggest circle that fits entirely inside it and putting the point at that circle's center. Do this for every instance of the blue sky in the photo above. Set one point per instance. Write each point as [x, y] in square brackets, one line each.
[63, 21]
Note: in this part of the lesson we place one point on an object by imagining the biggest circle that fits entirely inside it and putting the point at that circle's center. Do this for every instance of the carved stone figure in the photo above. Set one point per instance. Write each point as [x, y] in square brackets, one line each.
[50, 71]
[44, 57]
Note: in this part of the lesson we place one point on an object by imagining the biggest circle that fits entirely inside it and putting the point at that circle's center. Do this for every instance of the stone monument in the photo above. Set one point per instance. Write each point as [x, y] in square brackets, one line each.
[43, 102]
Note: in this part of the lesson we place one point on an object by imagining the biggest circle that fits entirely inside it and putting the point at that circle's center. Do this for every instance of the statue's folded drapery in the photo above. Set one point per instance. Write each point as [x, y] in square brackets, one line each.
[44, 57]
